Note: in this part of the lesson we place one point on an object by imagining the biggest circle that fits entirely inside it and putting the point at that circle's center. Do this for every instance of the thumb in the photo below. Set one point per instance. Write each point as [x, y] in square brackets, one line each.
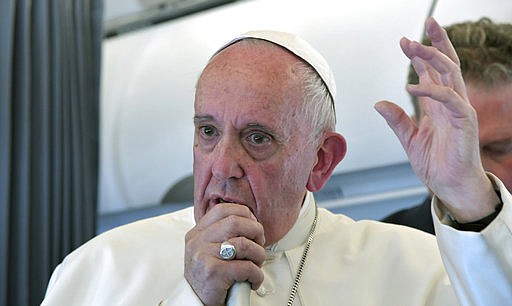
[398, 120]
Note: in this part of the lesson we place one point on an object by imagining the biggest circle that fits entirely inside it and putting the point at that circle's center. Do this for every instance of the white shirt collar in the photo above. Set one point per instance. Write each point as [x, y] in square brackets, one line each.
[299, 232]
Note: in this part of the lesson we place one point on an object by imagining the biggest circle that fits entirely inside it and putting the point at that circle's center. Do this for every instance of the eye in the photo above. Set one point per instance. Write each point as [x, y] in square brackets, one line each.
[258, 138]
[498, 149]
[207, 130]
[260, 145]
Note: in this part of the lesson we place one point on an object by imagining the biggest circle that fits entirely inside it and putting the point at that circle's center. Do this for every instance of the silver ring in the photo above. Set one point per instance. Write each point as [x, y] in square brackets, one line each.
[227, 251]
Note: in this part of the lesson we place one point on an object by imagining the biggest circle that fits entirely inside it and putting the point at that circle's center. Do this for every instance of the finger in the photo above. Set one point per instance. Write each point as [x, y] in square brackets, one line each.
[243, 270]
[427, 82]
[440, 39]
[245, 250]
[228, 220]
[449, 72]
[211, 278]
[425, 75]
[440, 61]
[445, 95]
[401, 124]
[236, 226]
[223, 210]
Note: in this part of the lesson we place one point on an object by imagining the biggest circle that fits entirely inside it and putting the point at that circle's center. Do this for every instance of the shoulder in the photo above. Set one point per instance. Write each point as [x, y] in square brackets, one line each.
[381, 245]
[383, 255]
[132, 255]
[147, 231]
[386, 237]
[141, 239]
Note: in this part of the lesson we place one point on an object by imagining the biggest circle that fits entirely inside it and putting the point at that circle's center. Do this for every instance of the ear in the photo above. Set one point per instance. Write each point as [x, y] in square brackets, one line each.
[330, 153]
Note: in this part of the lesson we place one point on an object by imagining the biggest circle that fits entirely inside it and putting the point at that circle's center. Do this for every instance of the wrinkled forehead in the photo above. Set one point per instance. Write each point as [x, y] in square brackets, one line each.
[295, 45]
[253, 69]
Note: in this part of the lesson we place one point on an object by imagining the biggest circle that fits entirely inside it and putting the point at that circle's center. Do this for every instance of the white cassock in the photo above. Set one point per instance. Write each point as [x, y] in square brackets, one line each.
[349, 263]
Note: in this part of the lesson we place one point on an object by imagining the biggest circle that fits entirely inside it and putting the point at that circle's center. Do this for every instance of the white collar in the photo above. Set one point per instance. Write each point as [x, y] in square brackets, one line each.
[299, 232]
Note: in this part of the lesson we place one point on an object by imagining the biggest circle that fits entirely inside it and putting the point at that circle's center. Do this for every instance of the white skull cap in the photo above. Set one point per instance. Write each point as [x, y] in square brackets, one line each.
[297, 46]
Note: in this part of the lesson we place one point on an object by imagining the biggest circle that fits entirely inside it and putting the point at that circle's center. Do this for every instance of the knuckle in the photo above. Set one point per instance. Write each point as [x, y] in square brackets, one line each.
[233, 225]
[189, 236]
[192, 242]
[232, 221]
[241, 245]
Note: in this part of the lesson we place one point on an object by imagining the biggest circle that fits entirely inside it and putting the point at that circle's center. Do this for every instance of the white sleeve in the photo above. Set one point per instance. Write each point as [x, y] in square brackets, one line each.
[479, 264]
[182, 294]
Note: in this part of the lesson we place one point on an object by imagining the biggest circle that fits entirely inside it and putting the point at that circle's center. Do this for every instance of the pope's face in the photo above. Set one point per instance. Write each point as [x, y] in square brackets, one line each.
[251, 141]
[494, 111]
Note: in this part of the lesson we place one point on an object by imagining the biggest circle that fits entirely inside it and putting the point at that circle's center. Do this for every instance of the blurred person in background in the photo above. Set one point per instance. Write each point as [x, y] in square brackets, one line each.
[485, 53]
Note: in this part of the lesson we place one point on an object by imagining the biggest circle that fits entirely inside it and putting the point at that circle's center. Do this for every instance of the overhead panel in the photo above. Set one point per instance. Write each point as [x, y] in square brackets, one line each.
[121, 16]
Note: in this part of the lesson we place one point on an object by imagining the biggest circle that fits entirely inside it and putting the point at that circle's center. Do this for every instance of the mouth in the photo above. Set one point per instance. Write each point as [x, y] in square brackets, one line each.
[219, 200]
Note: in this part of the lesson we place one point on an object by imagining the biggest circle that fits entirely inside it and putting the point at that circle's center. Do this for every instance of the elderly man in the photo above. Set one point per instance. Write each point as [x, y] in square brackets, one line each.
[485, 52]
[264, 141]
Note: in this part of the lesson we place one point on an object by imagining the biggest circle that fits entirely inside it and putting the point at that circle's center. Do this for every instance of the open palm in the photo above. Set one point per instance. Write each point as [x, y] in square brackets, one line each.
[443, 147]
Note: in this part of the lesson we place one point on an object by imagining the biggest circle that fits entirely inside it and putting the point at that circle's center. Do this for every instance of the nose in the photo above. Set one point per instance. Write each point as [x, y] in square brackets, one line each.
[228, 156]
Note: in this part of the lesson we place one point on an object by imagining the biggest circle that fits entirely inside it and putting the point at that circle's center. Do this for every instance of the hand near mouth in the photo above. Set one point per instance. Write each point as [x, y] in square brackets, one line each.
[208, 274]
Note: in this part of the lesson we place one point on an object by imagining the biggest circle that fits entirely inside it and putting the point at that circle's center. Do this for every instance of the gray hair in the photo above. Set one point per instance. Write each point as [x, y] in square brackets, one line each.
[318, 106]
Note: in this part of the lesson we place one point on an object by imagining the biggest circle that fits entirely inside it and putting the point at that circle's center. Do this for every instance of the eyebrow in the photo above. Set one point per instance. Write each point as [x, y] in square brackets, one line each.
[505, 141]
[261, 127]
[200, 118]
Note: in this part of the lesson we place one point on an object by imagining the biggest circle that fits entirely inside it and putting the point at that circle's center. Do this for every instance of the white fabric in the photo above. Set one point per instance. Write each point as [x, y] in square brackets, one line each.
[477, 267]
[350, 263]
[297, 46]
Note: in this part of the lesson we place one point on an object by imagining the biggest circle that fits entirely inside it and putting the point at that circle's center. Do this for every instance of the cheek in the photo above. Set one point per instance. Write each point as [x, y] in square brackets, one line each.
[301, 162]
[201, 158]
[294, 171]
[201, 178]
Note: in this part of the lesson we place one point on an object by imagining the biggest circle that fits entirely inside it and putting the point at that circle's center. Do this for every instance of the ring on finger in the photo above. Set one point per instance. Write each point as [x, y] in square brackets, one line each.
[227, 251]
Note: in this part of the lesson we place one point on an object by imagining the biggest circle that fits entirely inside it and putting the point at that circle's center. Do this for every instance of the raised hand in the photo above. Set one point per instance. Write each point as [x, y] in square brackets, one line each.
[211, 276]
[443, 146]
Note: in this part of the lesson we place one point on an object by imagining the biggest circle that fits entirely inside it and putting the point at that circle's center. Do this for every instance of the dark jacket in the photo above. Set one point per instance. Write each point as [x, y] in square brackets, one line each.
[418, 217]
